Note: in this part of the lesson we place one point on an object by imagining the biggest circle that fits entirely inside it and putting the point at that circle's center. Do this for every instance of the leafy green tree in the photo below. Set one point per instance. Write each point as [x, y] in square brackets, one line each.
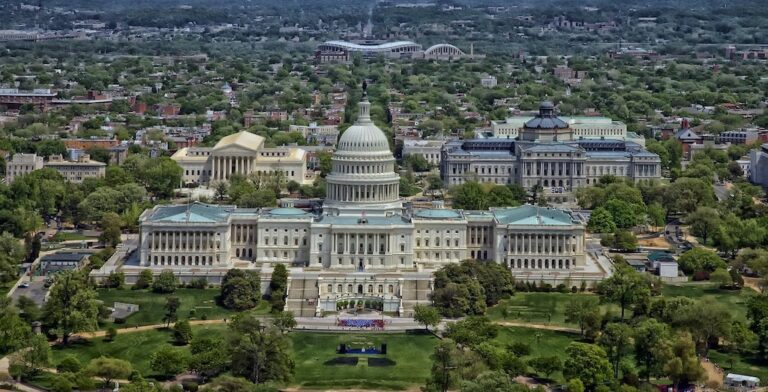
[11, 254]
[722, 277]
[109, 369]
[580, 310]
[574, 385]
[546, 366]
[70, 364]
[144, 280]
[14, 331]
[684, 367]
[588, 363]
[621, 240]
[165, 283]
[71, 306]
[491, 382]
[417, 163]
[700, 259]
[168, 361]
[240, 289]
[284, 321]
[110, 229]
[278, 286]
[427, 316]
[601, 221]
[111, 334]
[657, 214]
[625, 287]
[182, 332]
[469, 196]
[704, 222]
[625, 214]
[707, 320]
[444, 373]
[35, 356]
[616, 340]
[651, 347]
[501, 196]
[172, 305]
[259, 353]
[472, 331]
[209, 356]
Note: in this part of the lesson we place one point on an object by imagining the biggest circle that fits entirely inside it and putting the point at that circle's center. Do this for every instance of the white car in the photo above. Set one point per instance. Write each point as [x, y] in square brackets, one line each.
[24, 285]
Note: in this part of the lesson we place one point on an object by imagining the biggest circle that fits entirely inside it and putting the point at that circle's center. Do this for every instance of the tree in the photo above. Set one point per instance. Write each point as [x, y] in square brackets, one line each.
[70, 364]
[232, 384]
[11, 254]
[278, 285]
[601, 221]
[426, 316]
[469, 196]
[111, 334]
[417, 163]
[684, 367]
[625, 214]
[574, 385]
[35, 356]
[704, 222]
[492, 381]
[171, 308]
[71, 306]
[625, 287]
[616, 340]
[651, 348]
[621, 240]
[240, 289]
[284, 321]
[444, 366]
[209, 356]
[700, 259]
[14, 332]
[168, 361]
[722, 277]
[182, 332]
[472, 331]
[501, 196]
[110, 229]
[259, 353]
[588, 363]
[221, 189]
[144, 280]
[109, 369]
[580, 310]
[165, 283]
[657, 214]
[707, 320]
[545, 366]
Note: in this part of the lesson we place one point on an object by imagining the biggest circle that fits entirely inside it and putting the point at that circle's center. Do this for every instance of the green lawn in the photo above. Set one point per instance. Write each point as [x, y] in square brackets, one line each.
[741, 364]
[311, 350]
[734, 301]
[410, 353]
[69, 236]
[543, 308]
[543, 343]
[152, 306]
[135, 347]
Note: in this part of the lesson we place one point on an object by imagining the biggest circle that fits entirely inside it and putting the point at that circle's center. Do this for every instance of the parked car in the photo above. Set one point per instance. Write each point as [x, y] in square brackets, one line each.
[24, 285]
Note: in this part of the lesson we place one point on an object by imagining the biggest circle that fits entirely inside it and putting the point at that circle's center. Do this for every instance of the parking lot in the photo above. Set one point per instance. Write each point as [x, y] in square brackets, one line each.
[36, 291]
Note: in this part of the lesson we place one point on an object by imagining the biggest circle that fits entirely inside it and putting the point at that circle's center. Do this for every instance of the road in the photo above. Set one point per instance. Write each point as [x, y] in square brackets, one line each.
[721, 191]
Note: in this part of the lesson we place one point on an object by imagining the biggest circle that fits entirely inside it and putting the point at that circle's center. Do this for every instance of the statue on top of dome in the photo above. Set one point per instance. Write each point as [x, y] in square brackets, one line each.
[365, 88]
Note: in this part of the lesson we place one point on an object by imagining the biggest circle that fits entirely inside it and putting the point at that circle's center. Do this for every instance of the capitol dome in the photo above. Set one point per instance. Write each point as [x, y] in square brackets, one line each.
[364, 136]
[363, 178]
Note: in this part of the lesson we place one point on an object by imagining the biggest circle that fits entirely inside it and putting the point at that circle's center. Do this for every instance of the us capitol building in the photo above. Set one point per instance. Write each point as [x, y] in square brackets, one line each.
[365, 245]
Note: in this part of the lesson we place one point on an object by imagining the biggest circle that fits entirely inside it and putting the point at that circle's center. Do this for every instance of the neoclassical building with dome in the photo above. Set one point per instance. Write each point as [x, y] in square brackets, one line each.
[365, 245]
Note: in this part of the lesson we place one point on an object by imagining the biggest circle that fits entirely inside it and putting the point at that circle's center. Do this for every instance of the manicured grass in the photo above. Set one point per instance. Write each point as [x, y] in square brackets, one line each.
[544, 343]
[152, 305]
[746, 364]
[69, 236]
[734, 301]
[135, 347]
[542, 308]
[410, 353]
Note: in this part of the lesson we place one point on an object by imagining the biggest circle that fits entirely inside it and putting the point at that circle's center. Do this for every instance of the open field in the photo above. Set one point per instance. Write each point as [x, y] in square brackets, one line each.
[543, 308]
[152, 306]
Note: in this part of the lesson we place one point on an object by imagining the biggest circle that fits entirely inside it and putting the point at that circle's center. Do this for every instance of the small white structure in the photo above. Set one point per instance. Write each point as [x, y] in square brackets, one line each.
[488, 81]
[741, 382]
[668, 269]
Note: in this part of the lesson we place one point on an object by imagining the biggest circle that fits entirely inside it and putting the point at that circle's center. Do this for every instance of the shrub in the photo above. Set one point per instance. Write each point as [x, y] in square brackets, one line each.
[111, 334]
[70, 364]
[190, 386]
[199, 283]
[119, 320]
[61, 384]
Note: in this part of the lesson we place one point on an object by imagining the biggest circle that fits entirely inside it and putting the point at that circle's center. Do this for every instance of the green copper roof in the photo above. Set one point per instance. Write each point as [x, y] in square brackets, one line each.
[287, 211]
[191, 213]
[438, 214]
[533, 215]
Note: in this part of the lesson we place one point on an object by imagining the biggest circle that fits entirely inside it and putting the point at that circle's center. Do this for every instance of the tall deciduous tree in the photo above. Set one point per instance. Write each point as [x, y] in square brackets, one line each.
[11, 254]
[601, 221]
[259, 353]
[278, 285]
[109, 369]
[616, 340]
[588, 363]
[651, 338]
[625, 288]
[71, 306]
[580, 310]
[172, 305]
[426, 316]
[684, 367]
[240, 289]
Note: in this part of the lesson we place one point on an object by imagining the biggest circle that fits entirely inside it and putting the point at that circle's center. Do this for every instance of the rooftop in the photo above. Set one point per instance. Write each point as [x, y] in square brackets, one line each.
[533, 215]
[191, 213]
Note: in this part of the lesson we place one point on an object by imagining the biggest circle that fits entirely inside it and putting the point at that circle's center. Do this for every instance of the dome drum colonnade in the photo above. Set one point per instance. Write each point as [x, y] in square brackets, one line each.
[363, 169]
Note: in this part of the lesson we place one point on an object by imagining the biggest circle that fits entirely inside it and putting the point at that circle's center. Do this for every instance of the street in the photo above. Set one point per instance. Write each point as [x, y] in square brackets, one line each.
[36, 291]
